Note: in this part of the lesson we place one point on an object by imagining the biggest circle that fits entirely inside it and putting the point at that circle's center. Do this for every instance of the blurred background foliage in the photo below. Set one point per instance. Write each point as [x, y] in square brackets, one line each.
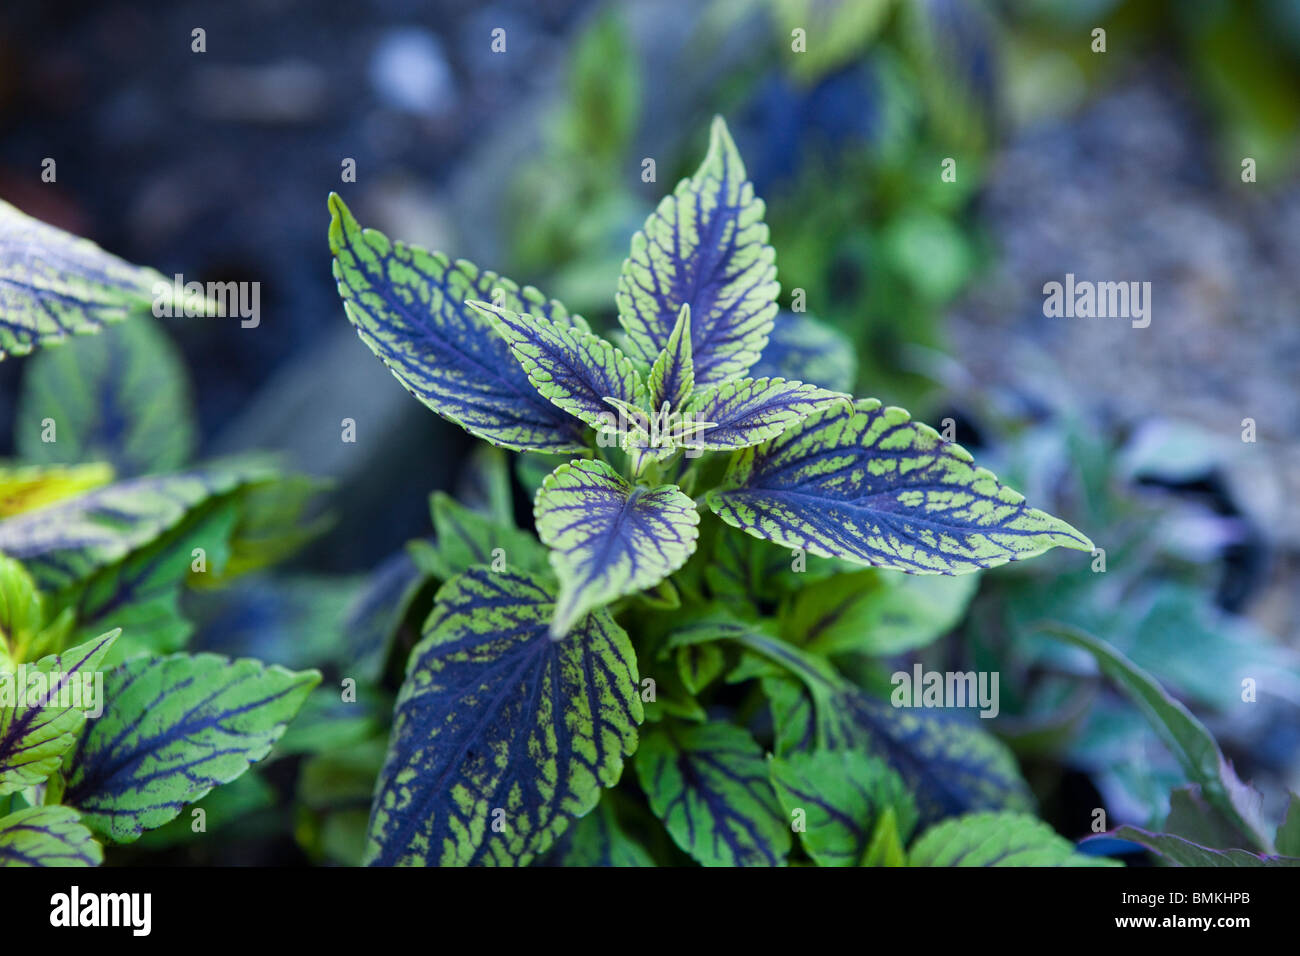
[1116, 165]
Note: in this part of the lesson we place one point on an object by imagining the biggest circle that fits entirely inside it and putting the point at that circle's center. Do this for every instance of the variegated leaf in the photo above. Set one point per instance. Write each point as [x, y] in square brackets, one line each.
[35, 735]
[705, 246]
[501, 735]
[672, 377]
[408, 306]
[709, 786]
[870, 485]
[53, 284]
[804, 349]
[997, 839]
[950, 766]
[748, 411]
[172, 729]
[142, 593]
[608, 537]
[574, 368]
[47, 836]
[122, 397]
[843, 795]
[66, 543]
[29, 488]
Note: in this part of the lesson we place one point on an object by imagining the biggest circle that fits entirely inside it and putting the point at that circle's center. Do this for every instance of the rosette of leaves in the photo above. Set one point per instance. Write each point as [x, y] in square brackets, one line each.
[693, 525]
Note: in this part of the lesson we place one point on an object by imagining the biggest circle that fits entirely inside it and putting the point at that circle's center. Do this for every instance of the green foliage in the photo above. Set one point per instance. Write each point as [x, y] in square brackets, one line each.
[175, 727]
[122, 398]
[523, 699]
[996, 839]
[53, 285]
[709, 786]
[107, 728]
[47, 836]
[501, 734]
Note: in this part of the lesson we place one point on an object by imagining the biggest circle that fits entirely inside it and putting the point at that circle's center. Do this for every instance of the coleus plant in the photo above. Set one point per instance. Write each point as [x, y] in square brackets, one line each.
[703, 583]
[108, 728]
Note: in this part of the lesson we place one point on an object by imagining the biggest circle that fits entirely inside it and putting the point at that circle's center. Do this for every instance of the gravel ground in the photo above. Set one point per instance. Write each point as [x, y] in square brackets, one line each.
[1124, 191]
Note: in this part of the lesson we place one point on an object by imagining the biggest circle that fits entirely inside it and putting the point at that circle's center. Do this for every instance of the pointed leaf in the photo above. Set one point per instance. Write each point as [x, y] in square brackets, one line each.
[47, 836]
[886, 845]
[843, 794]
[408, 306]
[748, 411]
[54, 284]
[35, 736]
[705, 246]
[1186, 737]
[66, 543]
[872, 486]
[803, 349]
[876, 612]
[709, 786]
[672, 377]
[949, 765]
[122, 397]
[997, 839]
[1181, 852]
[172, 729]
[609, 538]
[497, 723]
[574, 368]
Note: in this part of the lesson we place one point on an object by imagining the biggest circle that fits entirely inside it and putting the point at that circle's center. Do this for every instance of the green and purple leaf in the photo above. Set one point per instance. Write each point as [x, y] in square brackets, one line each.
[122, 397]
[575, 369]
[172, 729]
[706, 247]
[709, 785]
[803, 349]
[869, 485]
[749, 411]
[66, 543]
[997, 839]
[54, 284]
[47, 836]
[33, 739]
[608, 537]
[141, 594]
[408, 306]
[501, 735]
[843, 795]
[672, 377]
[950, 766]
